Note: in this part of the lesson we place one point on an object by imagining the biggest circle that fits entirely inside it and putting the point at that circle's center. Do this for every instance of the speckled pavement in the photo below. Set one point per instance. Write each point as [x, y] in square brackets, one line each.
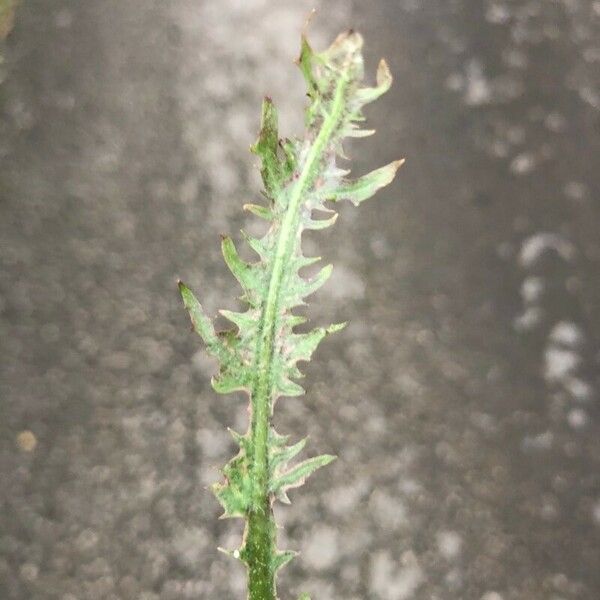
[462, 399]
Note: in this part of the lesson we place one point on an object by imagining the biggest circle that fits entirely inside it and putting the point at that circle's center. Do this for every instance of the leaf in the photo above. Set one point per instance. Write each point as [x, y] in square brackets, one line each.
[245, 320]
[301, 346]
[261, 247]
[297, 475]
[202, 325]
[282, 455]
[310, 287]
[266, 147]
[282, 558]
[366, 186]
[305, 62]
[260, 211]
[231, 553]
[248, 275]
[235, 494]
[231, 380]
[315, 224]
[286, 387]
[384, 82]
[261, 352]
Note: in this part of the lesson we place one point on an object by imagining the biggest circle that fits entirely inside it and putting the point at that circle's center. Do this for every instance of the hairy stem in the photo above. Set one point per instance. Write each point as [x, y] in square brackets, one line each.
[260, 547]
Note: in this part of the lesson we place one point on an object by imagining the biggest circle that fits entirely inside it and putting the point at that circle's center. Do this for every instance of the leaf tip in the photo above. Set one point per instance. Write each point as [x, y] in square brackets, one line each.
[309, 18]
[337, 327]
[384, 75]
[328, 458]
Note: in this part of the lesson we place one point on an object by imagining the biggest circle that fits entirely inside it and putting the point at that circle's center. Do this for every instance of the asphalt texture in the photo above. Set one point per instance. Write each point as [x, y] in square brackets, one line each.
[462, 400]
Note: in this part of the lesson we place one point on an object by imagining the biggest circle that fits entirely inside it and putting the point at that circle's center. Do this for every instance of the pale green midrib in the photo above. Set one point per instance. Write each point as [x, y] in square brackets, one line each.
[262, 388]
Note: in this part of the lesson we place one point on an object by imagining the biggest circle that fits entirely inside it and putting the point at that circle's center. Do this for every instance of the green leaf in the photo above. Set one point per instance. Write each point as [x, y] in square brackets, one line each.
[244, 321]
[384, 82]
[286, 387]
[282, 558]
[260, 353]
[301, 346]
[274, 171]
[201, 323]
[305, 62]
[235, 494]
[281, 456]
[250, 276]
[310, 287]
[316, 224]
[260, 211]
[297, 475]
[231, 380]
[364, 187]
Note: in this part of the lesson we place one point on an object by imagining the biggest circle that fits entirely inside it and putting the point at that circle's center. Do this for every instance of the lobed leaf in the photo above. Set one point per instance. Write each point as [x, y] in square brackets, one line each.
[260, 354]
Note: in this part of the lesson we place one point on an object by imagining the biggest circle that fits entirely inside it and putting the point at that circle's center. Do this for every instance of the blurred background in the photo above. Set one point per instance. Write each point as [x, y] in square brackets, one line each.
[462, 399]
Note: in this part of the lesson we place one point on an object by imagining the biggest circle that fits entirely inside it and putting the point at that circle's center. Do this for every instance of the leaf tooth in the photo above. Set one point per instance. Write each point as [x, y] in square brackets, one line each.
[238, 437]
[282, 558]
[366, 186]
[345, 55]
[268, 137]
[318, 224]
[291, 156]
[260, 211]
[227, 381]
[305, 261]
[244, 321]
[286, 387]
[282, 496]
[355, 132]
[244, 272]
[295, 373]
[334, 172]
[289, 322]
[317, 281]
[293, 320]
[259, 246]
[266, 147]
[203, 326]
[384, 82]
[231, 553]
[297, 475]
[306, 61]
[282, 455]
[276, 440]
[303, 345]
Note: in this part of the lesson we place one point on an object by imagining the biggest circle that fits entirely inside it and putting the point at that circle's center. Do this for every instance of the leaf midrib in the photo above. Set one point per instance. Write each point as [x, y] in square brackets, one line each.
[263, 383]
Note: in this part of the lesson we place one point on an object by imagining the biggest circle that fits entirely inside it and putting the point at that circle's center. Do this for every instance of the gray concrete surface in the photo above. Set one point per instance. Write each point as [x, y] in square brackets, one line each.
[462, 399]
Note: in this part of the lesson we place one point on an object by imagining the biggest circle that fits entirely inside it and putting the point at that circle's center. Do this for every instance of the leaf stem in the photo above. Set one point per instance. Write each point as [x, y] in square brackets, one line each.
[260, 532]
